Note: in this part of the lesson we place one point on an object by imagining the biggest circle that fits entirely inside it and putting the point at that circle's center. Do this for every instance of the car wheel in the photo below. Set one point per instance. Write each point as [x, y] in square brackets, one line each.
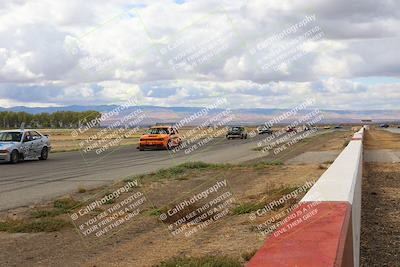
[14, 157]
[141, 148]
[170, 145]
[44, 154]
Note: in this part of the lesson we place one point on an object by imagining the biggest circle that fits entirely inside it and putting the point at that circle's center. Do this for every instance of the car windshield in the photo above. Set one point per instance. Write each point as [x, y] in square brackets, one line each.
[157, 131]
[235, 129]
[10, 136]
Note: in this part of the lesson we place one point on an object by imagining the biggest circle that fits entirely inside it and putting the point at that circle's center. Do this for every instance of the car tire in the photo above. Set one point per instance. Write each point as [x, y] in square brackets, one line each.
[44, 154]
[141, 148]
[169, 145]
[14, 157]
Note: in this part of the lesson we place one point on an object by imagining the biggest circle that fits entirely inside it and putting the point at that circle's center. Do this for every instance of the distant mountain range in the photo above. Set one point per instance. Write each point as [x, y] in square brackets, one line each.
[159, 114]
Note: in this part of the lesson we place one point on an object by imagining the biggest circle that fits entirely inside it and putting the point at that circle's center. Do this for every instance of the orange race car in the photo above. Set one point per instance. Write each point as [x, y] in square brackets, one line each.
[160, 137]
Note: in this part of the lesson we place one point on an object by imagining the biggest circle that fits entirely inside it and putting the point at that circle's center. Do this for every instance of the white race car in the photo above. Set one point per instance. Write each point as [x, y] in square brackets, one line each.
[18, 145]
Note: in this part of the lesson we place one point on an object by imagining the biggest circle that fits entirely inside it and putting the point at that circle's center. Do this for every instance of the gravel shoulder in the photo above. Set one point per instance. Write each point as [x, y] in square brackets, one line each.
[380, 215]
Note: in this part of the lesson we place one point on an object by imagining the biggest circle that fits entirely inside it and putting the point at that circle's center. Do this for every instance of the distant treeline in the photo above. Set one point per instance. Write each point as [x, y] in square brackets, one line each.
[60, 119]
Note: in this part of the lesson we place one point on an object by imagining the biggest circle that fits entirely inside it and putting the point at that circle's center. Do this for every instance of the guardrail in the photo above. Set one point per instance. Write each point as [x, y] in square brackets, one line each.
[324, 229]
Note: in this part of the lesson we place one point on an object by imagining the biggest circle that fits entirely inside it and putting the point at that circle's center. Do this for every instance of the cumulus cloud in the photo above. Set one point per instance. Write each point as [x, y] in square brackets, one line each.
[257, 53]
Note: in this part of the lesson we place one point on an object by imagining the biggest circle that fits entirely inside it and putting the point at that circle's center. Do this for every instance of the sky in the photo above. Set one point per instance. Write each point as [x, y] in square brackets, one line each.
[255, 53]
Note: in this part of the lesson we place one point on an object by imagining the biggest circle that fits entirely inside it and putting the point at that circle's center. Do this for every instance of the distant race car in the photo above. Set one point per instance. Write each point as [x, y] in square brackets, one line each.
[264, 130]
[307, 127]
[291, 129]
[160, 137]
[327, 127]
[18, 145]
[237, 132]
[338, 127]
[384, 125]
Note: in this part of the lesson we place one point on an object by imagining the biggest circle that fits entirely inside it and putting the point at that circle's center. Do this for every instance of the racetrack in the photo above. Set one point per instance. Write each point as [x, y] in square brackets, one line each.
[393, 130]
[35, 181]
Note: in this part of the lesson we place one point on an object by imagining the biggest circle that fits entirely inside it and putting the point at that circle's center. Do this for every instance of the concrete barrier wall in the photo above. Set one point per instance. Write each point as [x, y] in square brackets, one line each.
[331, 236]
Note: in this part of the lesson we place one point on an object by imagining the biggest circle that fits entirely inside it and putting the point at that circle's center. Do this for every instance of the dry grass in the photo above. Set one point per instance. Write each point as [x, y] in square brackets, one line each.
[338, 141]
[233, 238]
[44, 219]
[379, 139]
[33, 226]
[207, 261]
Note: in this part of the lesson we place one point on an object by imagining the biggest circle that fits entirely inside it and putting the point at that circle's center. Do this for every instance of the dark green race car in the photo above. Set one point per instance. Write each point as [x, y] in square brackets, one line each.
[237, 132]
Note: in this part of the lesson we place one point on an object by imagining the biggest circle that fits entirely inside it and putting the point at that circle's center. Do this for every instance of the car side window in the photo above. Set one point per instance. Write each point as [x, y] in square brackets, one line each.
[35, 135]
[27, 137]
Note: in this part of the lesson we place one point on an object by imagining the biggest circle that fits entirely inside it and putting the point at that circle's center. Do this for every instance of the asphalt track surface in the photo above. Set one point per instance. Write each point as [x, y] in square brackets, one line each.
[393, 130]
[32, 182]
[384, 155]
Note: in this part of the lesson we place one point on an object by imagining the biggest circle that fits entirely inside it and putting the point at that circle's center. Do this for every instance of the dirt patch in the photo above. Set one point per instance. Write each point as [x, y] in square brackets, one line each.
[148, 241]
[315, 157]
[333, 141]
[380, 218]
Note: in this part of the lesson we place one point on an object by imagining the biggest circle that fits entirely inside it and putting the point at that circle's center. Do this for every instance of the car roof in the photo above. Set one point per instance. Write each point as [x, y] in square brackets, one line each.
[160, 126]
[18, 131]
[12, 131]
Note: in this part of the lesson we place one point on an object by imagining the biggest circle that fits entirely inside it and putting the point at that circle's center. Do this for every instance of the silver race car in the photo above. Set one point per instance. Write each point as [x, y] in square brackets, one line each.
[18, 145]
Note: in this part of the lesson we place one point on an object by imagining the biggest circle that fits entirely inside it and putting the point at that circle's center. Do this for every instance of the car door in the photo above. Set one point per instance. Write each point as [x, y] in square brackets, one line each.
[174, 136]
[177, 137]
[37, 143]
[27, 146]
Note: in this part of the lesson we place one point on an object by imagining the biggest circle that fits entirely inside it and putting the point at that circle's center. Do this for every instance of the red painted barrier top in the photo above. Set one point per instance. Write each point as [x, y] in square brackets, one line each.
[317, 234]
